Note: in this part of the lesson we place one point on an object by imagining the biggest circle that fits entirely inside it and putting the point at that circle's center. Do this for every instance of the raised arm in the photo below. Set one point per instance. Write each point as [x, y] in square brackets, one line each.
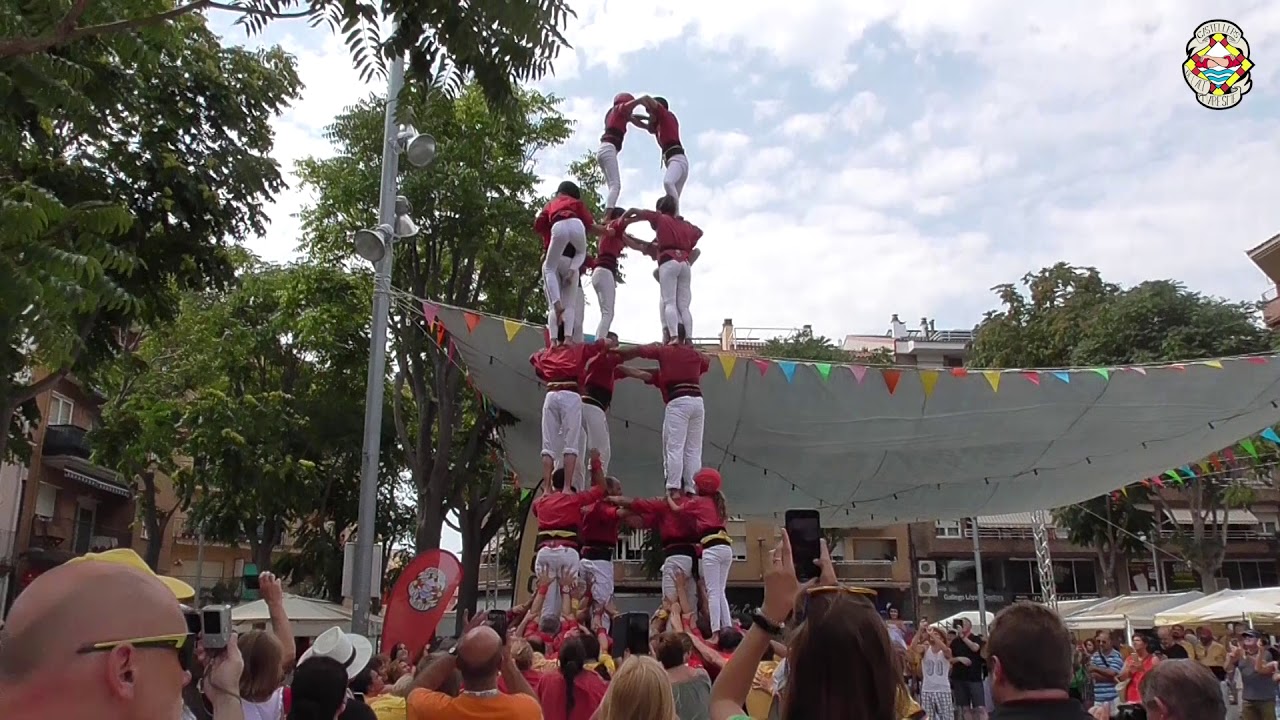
[273, 595]
[635, 373]
[648, 352]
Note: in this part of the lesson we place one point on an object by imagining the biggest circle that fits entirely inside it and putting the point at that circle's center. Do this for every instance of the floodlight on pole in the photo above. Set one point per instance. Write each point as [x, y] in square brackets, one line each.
[418, 148]
[372, 244]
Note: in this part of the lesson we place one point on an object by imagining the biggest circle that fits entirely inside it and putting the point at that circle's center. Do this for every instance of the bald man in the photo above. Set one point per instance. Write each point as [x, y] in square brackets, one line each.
[480, 656]
[100, 640]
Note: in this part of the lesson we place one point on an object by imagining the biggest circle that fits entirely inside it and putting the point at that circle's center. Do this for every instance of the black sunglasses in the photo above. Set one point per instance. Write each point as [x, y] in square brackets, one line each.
[183, 645]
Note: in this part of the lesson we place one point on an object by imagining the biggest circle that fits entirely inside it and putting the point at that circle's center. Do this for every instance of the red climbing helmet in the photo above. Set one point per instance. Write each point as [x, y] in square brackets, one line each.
[707, 481]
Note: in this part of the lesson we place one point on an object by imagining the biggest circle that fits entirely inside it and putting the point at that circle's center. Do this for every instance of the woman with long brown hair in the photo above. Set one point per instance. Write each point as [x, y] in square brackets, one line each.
[840, 662]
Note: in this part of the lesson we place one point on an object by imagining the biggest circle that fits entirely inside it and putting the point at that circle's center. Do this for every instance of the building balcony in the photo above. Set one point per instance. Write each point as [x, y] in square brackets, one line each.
[1271, 308]
[65, 536]
[865, 570]
[67, 441]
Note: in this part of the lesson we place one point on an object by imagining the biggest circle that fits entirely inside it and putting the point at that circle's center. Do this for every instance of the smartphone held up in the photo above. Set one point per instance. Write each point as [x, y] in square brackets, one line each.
[804, 529]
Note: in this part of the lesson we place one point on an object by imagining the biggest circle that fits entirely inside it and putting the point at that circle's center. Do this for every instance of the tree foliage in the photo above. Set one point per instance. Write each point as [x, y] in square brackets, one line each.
[1065, 316]
[499, 44]
[804, 345]
[129, 164]
[475, 204]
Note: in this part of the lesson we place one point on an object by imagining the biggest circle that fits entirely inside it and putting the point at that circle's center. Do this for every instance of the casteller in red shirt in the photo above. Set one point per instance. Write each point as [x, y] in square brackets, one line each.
[680, 367]
[561, 513]
[674, 237]
[563, 363]
[674, 528]
[664, 125]
[565, 205]
[617, 119]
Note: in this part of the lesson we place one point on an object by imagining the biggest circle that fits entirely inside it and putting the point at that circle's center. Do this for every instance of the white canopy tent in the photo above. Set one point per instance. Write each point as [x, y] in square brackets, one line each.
[1071, 607]
[1262, 604]
[1128, 611]
[307, 617]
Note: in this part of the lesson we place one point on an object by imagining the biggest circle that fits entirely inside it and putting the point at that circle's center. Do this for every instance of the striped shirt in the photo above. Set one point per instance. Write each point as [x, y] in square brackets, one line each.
[1104, 692]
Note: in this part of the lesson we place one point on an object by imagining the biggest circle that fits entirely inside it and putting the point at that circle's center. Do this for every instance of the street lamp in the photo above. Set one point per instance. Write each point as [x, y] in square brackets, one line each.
[377, 246]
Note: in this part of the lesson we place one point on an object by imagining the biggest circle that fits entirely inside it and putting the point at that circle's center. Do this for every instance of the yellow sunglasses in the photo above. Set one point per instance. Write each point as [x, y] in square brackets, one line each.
[183, 644]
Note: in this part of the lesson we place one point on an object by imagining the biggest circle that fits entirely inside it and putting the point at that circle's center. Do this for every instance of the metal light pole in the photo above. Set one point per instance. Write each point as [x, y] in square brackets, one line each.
[977, 571]
[367, 515]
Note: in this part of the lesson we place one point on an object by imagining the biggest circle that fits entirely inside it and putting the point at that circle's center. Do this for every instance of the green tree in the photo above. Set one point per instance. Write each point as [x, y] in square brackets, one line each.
[498, 44]
[129, 164]
[804, 345]
[1069, 316]
[476, 249]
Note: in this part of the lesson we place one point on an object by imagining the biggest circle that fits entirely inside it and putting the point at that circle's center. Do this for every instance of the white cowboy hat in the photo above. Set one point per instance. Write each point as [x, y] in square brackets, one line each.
[353, 651]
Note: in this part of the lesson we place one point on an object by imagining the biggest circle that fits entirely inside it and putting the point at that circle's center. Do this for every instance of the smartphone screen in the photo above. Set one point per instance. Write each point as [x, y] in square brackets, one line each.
[638, 633]
[212, 622]
[804, 528]
[497, 619]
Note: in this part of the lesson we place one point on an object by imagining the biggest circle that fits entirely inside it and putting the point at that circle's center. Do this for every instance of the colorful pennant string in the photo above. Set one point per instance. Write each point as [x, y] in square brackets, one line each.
[471, 319]
[1270, 434]
[726, 363]
[859, 372]
[761, 365]
[928, 380]
[993, 379]
[788, 368]
[1032, 377]
[1104, 372]
[1217, 364]
[824, 369]
[1063, 376]
[891, 378]
[512, 328]
[429, 312]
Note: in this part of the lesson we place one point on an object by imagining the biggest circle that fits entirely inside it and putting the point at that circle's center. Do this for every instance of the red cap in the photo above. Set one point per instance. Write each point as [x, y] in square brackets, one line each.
[707, 481]
[623, 98]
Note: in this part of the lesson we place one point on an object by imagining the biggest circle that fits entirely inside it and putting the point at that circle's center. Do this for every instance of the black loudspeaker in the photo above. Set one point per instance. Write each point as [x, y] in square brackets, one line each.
[630, 632]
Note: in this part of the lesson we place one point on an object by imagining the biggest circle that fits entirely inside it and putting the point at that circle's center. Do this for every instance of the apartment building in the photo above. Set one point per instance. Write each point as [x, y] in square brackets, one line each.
[1267, 257]
[62, 504]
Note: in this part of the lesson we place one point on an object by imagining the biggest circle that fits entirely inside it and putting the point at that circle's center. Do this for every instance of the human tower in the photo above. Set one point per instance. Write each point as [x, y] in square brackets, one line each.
[577, 526]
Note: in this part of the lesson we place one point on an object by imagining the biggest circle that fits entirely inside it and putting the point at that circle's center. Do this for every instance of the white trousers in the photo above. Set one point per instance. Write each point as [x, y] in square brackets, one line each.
[601, 574]
[675, 175]
[607, 156]
[565, 233]
[684, 564]
[677, 295]
[606, 286]
[579, 308]
[682, 441]
[595, 422]
[716, 562]
[562, 424]
[554, 560]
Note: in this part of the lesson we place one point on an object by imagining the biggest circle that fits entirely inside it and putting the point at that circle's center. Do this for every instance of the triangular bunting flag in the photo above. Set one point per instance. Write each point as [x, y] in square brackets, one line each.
[959, 372]
[429, 311]
[1186, 470]
[727, 362]
[1124, 491]
[1104, 372]
[1138, 369]
[1172, 475]
[1063, 376]
[1204, 467]
[1230, 455]
[1213, 364]
[1257, 360]
[1157, 481]
[929, 379]
[451, 352]
[512, 327]
[824, 369]
[859, 372]
[1179, 367]
[472, 320]
[891, 378]
[1248, 446]
[1270, 434]
[788, 368]
[440, 333]
[993, 379]
[761, 365]
[1033, 377]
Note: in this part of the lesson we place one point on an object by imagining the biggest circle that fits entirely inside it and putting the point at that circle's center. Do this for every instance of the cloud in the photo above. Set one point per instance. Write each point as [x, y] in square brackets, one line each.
[853, 160]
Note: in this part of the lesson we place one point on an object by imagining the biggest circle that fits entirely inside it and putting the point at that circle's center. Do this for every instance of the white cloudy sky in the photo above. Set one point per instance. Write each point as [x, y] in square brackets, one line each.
[852, 159]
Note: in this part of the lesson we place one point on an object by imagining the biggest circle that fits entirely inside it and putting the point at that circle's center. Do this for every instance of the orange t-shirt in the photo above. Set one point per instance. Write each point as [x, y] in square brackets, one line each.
[430, 705]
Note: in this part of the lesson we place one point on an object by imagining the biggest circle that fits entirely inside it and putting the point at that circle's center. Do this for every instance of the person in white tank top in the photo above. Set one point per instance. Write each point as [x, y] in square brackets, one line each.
[935, 669]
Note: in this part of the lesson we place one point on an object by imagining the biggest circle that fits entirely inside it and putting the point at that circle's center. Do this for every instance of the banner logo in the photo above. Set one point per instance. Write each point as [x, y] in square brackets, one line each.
[1217, 66]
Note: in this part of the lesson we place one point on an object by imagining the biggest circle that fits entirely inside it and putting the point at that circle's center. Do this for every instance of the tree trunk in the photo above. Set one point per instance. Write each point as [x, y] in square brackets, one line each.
[430, 520]
[469, 588]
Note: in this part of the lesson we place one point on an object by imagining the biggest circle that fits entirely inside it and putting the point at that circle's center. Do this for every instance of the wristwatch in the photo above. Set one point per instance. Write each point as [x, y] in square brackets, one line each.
[759, 620]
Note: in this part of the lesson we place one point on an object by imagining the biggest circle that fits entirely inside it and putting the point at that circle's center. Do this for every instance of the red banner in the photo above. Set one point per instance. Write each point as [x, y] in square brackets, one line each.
[420, 598]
